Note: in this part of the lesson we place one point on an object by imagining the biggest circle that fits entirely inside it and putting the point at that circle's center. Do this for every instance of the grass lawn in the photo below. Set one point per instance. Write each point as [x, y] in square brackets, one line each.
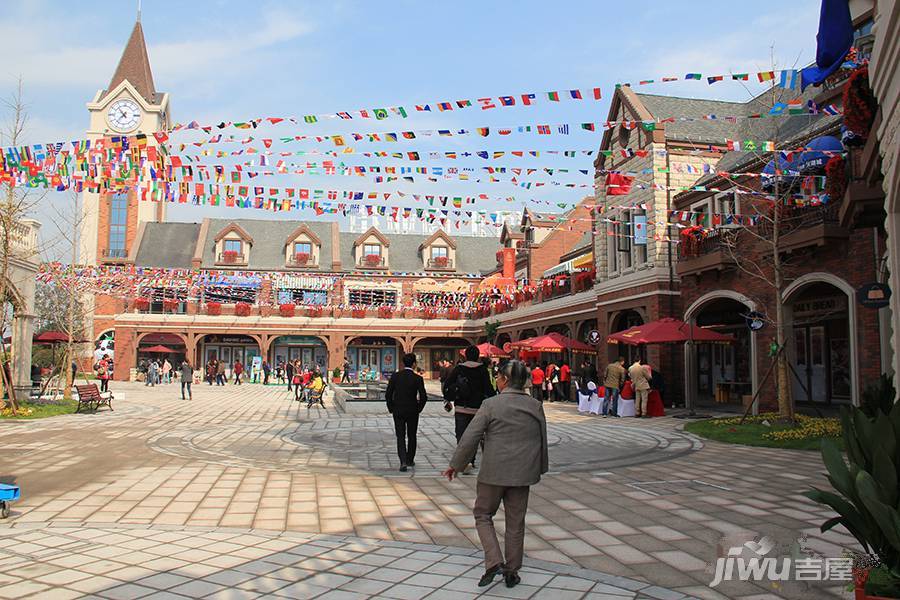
[806, 435]
[28, 410]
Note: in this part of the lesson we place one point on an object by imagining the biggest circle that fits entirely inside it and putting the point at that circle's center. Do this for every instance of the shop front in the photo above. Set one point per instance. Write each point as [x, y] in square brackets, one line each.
[229, 349]
[724, 374]
[821, 358]
[373, 358]
[430, 351]
[309, 350]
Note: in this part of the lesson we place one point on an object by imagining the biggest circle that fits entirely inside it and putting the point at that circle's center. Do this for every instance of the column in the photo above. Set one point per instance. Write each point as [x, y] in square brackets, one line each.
[20, 369]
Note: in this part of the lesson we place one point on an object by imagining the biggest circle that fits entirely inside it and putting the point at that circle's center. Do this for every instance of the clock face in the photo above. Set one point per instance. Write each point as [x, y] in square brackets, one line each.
[124, 115]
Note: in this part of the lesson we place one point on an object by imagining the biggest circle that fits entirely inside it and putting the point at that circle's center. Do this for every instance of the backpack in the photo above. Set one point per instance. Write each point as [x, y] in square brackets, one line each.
[459, 390]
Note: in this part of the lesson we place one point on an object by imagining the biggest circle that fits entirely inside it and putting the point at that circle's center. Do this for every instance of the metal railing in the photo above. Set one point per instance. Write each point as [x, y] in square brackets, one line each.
[364, 262]
[440, 263]
[231, 259]
[114, 253]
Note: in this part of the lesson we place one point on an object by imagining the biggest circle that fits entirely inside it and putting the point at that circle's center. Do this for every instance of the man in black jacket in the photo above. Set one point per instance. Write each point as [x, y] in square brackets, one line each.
[406, 398]
[467, 385]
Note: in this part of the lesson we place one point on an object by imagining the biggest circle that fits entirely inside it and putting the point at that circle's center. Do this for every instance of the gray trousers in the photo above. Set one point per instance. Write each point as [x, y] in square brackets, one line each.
[515, 504]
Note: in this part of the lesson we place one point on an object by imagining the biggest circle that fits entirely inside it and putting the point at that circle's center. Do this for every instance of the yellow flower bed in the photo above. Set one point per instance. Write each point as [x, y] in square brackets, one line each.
[807, 427]
[22, 412]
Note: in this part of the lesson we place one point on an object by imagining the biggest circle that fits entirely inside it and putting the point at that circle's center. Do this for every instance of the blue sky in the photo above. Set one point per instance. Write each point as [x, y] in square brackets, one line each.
[234, 60]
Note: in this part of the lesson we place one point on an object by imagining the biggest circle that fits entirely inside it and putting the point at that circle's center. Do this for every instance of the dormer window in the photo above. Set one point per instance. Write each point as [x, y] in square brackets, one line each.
[233, 246]
[302, 248]
[371, 250]
[371, 255]
[438, 252]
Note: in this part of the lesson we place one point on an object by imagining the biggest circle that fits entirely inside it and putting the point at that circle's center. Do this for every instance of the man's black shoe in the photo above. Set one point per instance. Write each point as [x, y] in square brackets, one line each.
[488, 577]
[411, 463]
[512, 579]
[403, 468]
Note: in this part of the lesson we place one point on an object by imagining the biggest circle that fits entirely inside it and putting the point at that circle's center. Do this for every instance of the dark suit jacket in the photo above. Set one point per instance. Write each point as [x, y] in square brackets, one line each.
[406, 394]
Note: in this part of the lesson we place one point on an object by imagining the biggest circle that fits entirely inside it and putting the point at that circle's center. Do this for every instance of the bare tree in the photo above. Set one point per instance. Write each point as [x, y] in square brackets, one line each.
[14, 206]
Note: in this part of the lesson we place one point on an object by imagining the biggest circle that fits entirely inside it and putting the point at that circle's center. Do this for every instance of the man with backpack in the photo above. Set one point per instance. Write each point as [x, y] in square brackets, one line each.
[467, 385]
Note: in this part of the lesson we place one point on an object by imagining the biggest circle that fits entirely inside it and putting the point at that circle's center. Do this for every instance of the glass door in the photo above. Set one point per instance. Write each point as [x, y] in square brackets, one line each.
[817, 364]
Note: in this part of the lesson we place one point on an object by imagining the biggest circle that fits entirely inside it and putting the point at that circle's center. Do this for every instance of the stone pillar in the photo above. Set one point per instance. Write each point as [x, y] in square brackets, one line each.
[336, 345]
[20, 370]
[125, 357]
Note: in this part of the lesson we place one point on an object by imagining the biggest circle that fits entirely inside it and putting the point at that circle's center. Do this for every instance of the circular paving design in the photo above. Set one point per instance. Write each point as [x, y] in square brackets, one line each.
[367, 445]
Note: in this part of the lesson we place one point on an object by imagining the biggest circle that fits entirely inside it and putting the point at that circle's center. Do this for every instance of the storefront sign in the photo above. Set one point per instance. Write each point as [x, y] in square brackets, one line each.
[874, 295]
[755, 321]
[820, 307]
[299, 340]
[230, 339]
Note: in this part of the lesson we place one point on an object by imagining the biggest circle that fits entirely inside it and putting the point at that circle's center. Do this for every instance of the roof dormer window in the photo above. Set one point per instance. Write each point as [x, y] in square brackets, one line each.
[371, 250]
[233, 246]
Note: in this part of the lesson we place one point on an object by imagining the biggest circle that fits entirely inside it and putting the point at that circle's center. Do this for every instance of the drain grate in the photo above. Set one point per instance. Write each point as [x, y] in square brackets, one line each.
[677, 487]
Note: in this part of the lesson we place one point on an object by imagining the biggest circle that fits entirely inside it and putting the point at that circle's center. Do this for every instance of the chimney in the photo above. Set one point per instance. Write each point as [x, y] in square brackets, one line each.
[509, 263]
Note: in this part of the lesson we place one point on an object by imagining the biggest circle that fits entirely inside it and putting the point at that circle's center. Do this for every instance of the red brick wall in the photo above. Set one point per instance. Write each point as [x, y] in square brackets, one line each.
[561, 240]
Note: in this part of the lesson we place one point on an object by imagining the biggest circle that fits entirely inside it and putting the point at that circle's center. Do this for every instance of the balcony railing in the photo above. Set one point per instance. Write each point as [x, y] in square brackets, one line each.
[309, 263]
[226, 258]
[114, 253]
[371, 263]
[440, 263]
[708, 245]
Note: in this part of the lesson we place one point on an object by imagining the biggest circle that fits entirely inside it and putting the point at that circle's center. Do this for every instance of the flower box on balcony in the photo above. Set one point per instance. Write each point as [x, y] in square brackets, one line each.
[358, 313]
[301, 258]
[372, 260]
[142, 304]
[315, 311]
[385, 312]
[286, 310]
[213, 308]
[441, 262]
[230, 257]
[170, 305]
[242, 309]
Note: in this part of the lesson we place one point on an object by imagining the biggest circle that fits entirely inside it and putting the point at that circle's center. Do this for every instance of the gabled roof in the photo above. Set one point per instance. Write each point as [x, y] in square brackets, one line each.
[234, 227]
[134, 66]
[370, 232]
[439, 234]
[303, 229]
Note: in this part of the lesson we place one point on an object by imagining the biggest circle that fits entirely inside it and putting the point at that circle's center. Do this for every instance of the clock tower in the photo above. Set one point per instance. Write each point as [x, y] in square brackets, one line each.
[128, 106]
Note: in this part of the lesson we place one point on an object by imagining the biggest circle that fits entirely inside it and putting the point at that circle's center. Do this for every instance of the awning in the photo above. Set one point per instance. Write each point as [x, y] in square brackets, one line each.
[559, 269]
[788, 173]
[584, 262]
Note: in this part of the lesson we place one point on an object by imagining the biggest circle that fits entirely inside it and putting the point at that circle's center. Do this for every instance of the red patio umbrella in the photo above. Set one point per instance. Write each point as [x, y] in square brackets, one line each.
[667, 331]
[52, 337]
[488, 350]
[553, 342]
[158, 350]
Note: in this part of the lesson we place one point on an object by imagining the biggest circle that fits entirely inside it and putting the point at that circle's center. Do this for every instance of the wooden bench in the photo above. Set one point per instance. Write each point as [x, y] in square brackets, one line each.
[90, 396]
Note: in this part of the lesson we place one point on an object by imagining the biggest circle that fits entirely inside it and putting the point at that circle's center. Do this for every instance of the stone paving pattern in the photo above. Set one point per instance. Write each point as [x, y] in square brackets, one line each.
[633, 500]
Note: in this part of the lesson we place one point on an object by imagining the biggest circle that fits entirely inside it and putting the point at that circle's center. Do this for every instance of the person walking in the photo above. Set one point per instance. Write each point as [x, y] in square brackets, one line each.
[466, 387]
[220, 372]
[152, 373]
[238, 368]
[537, 383]
[289, 371]
[514, 431]
[565, 381]
[613, 380]
[640, 378]
[406, 398]
[267, 369]
[345, 370]
[102, 370]
[166, 371]
[210, 370]
[551, 379]
[186, 373]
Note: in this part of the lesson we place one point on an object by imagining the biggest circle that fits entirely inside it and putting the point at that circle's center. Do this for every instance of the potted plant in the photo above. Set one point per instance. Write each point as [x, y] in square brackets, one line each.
[866, 494]
[358, 313]
[336, 375]
[836, 177]
[242, 309]
[314, 311]
[441, 261]
[286, 310]
[170, 305]
[691, 237]
[230, 257]
[372, 260]
[859, 104]
[385, 312]
[142, 304]
[214, 308]
[301, 258]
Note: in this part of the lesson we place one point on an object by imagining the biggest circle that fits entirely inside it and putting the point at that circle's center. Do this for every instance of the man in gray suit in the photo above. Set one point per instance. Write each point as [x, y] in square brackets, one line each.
[514, 431]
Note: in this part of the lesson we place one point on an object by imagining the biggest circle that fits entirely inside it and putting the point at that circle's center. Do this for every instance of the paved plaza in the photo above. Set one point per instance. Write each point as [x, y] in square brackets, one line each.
[240, 493]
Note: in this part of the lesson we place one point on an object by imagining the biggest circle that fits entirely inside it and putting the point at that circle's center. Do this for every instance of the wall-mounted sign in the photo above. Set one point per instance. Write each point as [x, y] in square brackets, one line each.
[593, 337]
[755, 320]
[820, 307]
[874, 295]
